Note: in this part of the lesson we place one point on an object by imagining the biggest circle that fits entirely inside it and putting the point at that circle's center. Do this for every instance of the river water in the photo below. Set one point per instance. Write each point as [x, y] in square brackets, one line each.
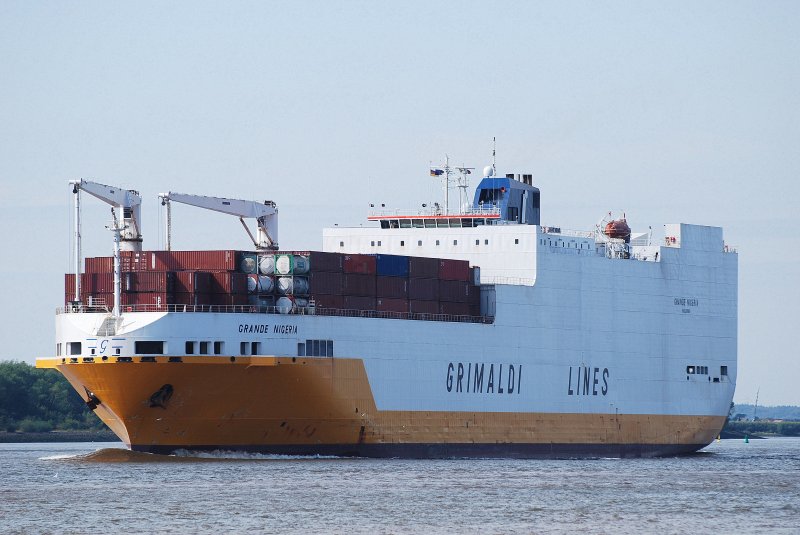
[730, 487]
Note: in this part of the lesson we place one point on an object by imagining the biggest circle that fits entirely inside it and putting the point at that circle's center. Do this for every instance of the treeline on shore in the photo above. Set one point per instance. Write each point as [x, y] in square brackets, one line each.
[760, 427]
[39, 401]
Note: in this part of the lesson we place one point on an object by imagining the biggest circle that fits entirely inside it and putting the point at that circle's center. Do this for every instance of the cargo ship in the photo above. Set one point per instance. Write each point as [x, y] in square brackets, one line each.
[430, 333]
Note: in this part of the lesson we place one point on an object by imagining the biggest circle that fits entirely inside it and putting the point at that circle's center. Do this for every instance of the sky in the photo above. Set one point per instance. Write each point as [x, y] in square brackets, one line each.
[668, 111]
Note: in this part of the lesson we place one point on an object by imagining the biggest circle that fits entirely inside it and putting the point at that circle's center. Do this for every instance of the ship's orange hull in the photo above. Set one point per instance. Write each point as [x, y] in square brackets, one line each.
[325, 406]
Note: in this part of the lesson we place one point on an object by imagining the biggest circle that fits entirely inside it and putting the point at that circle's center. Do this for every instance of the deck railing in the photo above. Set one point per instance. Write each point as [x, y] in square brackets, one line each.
[256, 309]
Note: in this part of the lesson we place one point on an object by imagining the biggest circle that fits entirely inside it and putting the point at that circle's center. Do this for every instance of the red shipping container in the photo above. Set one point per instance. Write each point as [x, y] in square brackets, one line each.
[358, 284]
[148, 301]
[328, 301]
[454, 270]
[192, 281]
[392, 287]
[324, 282]
[423, 268]
[319, 260]
[223, 260]
[148, 281]
[423, 289]
[474, 310]
[99, 264]
[359, 263]
[227, 282]
[455, 309]
[387, 304]
[358, 302]
[423, 307]
[197, 299]
[229, 299]
[97, 282]
[147, 261]
[454, 291]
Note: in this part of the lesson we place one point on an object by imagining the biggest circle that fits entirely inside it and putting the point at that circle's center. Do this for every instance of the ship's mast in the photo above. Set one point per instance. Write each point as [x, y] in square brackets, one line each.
[462, 181]
[77, 192]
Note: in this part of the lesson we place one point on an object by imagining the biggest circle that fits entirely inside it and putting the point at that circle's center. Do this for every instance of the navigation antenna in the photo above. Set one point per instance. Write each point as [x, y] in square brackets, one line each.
[462, 182]
[494, 156]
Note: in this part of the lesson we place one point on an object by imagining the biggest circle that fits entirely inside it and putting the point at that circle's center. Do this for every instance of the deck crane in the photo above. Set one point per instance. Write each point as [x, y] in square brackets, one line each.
[126, 213]
[265, 214]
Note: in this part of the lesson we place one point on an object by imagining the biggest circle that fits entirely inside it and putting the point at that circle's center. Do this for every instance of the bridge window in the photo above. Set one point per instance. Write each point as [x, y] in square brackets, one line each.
[74, 348]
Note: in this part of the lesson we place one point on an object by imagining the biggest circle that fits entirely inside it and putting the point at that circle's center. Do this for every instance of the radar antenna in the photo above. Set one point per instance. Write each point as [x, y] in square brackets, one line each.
[462, 181]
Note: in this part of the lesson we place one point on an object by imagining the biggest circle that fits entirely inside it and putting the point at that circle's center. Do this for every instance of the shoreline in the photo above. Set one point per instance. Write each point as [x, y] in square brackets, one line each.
[58, 436]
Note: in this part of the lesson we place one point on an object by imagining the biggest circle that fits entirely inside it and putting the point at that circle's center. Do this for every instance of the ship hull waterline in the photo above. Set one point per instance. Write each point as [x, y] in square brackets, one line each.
[324, 406]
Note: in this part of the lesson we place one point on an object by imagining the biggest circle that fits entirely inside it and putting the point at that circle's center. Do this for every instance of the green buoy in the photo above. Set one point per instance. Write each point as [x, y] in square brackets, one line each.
[746, 440]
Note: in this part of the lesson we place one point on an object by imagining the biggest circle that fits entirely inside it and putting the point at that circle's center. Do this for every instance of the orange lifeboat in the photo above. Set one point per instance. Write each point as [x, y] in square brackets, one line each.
[619, 229]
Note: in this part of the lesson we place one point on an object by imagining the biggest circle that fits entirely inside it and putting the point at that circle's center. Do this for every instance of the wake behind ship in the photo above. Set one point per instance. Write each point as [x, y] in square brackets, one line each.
[433, 333]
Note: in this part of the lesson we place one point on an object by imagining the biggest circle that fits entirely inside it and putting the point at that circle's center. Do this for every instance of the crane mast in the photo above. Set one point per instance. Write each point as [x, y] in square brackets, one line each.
[126, 214]
[265, 213]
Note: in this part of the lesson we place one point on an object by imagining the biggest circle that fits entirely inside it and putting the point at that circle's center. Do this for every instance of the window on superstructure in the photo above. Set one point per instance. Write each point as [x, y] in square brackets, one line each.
[190, 347]
[723, 370]
[372, 243]
[243, 348]
[301, 349]
[218, 348]
[149, 347]
[477, 242]
[419, 243]
[437, 242]
[341, 244]
[690, 369]
[516, 241]
[402, 243]
[204, 348]
[74, 348]
[316, 348]
[58, 350]
[455, 242]
[486, 242]
[255, 348]
[379, 243]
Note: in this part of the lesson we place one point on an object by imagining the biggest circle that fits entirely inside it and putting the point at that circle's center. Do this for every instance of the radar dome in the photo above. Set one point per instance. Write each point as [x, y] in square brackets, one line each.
[488, 171]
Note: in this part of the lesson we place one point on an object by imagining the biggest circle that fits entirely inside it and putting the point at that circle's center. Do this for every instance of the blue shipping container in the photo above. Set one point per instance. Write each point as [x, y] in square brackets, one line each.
[390, 265]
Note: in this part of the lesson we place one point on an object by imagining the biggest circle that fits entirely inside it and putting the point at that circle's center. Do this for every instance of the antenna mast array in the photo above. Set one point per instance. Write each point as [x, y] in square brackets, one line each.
[462, 181]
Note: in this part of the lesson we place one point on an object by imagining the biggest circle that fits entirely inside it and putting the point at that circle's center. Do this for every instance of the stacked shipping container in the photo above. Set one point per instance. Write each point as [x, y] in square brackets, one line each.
[291, 279]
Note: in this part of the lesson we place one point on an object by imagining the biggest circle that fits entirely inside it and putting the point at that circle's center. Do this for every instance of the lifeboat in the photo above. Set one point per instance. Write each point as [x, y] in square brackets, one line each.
[618, 229]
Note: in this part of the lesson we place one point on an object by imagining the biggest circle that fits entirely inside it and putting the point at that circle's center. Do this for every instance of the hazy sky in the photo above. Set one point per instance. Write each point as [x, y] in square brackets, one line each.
[670, 111]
